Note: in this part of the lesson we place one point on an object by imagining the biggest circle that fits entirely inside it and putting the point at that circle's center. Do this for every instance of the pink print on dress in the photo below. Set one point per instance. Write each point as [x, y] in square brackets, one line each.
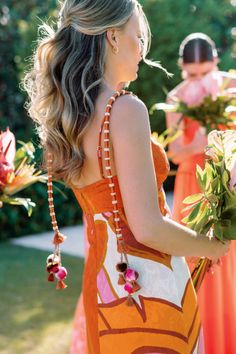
[104, 288]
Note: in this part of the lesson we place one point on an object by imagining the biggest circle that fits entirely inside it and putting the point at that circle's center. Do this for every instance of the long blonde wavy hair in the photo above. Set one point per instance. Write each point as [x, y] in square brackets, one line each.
[66, 75]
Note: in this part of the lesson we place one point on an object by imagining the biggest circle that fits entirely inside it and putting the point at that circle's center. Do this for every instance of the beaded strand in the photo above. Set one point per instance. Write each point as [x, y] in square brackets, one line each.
[54, 266]
[127, 276]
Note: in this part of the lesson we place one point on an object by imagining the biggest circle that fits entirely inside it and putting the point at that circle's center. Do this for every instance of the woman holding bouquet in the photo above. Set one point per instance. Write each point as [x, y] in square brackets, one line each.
[137, 293]
[217, 295]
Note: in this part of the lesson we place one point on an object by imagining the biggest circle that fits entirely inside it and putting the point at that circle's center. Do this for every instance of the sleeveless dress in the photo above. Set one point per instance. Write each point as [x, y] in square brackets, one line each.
[217, 294]
[164, 317]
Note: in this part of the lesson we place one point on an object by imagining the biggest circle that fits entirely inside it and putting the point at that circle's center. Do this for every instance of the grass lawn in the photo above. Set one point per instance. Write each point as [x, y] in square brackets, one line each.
[35, 318]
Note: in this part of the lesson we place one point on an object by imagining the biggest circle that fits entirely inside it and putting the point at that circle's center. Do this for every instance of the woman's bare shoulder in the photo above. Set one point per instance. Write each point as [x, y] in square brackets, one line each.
[130, 127]
[129, 112]
[128, 104]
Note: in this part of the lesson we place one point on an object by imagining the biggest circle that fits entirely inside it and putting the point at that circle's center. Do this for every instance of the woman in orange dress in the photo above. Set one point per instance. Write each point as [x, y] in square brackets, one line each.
[217, 295]
[137, 293]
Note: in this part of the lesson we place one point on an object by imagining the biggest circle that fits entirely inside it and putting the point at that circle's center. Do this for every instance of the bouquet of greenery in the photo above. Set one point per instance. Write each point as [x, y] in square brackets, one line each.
[211, 113]
[17, 171]
[213, 211]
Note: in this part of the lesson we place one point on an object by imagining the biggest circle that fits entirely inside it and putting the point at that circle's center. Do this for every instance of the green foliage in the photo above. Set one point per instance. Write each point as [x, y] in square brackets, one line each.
[15, 222]
[18, 32]
[19, 23]
[216, 205]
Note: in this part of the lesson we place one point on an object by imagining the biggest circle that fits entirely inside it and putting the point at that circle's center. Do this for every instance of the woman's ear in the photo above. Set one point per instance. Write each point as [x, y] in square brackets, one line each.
[112, 37]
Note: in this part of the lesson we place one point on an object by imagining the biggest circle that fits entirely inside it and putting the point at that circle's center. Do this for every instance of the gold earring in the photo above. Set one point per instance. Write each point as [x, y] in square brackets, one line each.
[115, 50]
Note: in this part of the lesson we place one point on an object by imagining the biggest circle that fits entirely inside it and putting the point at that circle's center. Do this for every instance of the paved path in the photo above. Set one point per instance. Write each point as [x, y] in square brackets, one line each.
[74, 244]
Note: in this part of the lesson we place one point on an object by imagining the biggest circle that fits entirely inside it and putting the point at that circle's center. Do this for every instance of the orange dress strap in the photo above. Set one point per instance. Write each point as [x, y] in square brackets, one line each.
[104, 125]
[104, 153]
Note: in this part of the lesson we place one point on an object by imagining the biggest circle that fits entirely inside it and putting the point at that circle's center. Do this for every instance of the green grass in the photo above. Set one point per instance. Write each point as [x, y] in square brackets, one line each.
[35, 318]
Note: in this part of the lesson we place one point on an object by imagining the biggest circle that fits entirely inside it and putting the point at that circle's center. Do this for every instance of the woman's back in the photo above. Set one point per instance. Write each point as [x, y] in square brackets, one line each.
[90, 171]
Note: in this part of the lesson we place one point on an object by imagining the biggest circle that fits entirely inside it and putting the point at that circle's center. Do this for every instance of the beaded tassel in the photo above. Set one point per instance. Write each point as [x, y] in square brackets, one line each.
[54, 266]
[127, 276]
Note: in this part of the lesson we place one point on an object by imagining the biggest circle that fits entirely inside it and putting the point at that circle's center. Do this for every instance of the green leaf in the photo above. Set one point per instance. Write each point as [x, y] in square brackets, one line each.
[25, 202]
[215, 184]
[218, 231]
[199, 175]
[189, 207]
[204, 178]
[229, 228]
[26, 151]
[226, 178]
[193, 198]
[202, 217]
[193, 215]
[213, 199]
[207, 226]
[209, 169]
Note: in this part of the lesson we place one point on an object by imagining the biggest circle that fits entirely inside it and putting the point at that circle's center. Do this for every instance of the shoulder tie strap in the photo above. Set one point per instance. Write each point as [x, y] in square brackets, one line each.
[102, 151]
[127, 276]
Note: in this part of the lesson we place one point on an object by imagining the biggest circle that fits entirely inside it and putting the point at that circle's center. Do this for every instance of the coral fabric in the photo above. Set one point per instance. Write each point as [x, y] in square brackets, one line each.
[217, 295]
[164, 317]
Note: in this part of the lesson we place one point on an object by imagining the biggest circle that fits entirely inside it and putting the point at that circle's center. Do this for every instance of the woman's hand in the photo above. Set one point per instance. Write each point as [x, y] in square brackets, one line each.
[218, 249]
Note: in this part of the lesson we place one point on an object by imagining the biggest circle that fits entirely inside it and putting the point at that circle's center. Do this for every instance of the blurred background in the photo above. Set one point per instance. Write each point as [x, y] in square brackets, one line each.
[37, 320]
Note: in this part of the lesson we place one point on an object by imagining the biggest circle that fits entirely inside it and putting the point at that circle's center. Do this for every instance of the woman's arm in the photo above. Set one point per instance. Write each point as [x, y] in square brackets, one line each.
[130, 132]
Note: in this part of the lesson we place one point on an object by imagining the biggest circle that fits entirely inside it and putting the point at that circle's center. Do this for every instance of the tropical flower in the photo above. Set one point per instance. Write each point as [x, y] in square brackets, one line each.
[17, 171]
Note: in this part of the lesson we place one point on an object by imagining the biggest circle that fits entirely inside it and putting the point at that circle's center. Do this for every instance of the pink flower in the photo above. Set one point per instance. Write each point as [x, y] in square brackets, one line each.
[194, 93]
[61, 273]
[7, 147]
[7, 155]
[196, 90]
[232, 183]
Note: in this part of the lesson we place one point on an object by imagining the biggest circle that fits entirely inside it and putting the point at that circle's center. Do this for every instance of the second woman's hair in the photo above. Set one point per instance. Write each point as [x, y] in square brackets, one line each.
[197, 48]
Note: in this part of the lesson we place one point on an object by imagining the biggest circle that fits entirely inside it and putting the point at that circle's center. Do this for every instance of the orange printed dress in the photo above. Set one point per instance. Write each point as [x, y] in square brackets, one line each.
[217, 295]
[164, 317]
